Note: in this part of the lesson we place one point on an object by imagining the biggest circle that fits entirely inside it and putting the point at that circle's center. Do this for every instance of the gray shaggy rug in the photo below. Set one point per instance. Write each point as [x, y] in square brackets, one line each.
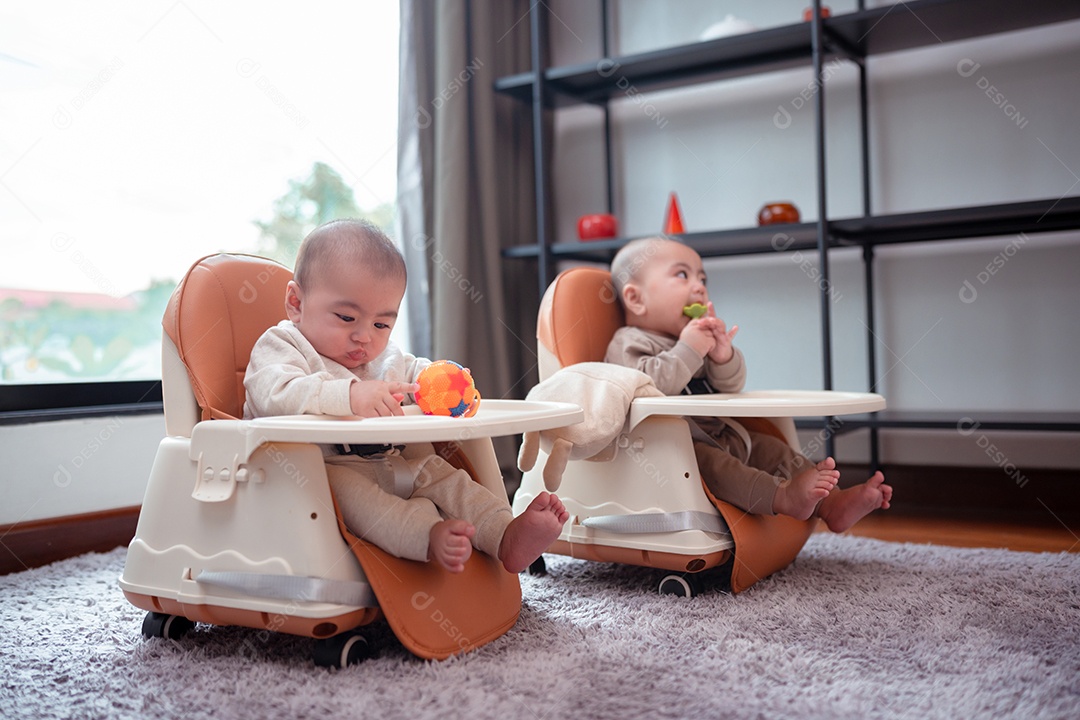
[856, 628]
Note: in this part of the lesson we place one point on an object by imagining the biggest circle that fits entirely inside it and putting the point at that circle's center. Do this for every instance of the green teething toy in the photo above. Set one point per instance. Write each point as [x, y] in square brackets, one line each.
[695, 311]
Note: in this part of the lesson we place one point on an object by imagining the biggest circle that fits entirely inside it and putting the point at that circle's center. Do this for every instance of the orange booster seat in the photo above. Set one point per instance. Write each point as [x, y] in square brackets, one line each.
[238, 525]
[628, 475]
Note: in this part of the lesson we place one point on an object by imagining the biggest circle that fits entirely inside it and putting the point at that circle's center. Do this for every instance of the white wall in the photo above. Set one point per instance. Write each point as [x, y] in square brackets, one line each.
[69, 467]
[937, 140]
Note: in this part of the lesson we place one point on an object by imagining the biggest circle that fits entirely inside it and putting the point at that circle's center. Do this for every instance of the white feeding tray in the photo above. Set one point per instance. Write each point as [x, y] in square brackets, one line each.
[759, 403]
[494, 418]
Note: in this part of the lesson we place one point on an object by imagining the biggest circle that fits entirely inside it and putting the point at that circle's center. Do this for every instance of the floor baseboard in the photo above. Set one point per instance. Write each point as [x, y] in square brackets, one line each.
[39, 542]
[1039, 497]
[938, 495]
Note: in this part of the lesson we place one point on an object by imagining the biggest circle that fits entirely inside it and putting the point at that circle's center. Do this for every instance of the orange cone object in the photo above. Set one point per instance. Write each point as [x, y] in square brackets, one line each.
[673, 223]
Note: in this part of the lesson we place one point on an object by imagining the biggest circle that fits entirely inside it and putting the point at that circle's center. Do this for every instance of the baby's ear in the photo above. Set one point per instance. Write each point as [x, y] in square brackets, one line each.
[632, 300]
[292, 301]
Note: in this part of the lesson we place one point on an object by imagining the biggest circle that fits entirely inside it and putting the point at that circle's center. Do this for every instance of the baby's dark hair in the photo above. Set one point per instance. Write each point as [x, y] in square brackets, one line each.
[343, 241]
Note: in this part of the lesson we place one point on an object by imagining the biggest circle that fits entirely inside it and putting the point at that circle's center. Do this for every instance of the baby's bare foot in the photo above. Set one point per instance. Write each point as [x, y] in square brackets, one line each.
[530, 533]
[801, 494]
[450, 543]
[844, 508]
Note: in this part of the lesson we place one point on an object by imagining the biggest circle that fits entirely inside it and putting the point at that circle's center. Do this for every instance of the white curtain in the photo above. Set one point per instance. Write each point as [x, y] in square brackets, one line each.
[465, 191]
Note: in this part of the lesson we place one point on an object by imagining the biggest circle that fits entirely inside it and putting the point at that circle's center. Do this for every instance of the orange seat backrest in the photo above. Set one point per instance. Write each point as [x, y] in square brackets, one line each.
[215, 315]
[578, 316]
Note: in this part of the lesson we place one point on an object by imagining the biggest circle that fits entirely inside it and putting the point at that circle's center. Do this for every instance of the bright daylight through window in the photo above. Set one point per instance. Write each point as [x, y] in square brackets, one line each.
[139, 136]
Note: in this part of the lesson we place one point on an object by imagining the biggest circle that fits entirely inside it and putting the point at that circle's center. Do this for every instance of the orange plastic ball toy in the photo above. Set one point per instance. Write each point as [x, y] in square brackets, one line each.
[447, 389]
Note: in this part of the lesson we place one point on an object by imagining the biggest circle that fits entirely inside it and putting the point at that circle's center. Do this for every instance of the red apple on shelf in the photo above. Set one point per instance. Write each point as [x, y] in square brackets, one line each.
[597, 226]
[777, 213]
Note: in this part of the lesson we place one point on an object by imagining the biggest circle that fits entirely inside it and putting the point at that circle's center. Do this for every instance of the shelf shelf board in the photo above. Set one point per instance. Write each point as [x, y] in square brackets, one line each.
[1033, 216]
[902, 26]
[519, 86]
[921, 23]
[957, 223]
[777, 48]
[965, 422]
[715, 243]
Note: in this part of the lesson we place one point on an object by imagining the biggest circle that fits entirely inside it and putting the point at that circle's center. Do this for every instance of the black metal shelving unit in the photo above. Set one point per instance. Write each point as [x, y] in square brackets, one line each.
[853, 37]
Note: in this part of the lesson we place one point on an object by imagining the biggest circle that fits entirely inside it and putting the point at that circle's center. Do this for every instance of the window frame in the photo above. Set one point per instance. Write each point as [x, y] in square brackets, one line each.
[39, 402]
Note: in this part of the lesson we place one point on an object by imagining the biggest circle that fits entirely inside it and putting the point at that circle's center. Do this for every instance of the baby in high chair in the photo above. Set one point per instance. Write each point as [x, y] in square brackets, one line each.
[661, 285]
[333, 356]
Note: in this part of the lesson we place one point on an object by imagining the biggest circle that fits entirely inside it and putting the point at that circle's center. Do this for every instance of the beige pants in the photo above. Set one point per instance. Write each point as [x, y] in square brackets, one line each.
[745, 479]
[364, 490]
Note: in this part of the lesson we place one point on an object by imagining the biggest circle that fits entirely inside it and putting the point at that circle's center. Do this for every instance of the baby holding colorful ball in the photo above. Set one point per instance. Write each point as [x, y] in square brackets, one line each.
[333, 356]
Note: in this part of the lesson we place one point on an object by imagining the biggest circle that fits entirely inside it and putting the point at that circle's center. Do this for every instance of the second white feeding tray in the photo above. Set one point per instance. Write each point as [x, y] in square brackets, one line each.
[759, 403]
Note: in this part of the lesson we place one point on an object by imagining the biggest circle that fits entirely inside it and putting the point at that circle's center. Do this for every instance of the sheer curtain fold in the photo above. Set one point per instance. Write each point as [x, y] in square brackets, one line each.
[465, 176]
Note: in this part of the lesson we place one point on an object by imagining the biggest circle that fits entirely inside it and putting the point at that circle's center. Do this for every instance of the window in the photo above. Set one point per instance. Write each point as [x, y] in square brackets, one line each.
[140, 136]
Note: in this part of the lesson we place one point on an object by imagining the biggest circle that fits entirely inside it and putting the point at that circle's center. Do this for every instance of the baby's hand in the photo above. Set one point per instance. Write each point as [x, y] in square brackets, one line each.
[378, 398]
[723, 350]
[697, 335]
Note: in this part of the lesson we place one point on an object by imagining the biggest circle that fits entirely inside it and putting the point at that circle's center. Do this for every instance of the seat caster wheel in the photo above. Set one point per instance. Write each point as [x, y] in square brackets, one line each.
[162, 625]
[537, 567]
[340, 651]
[680, 585]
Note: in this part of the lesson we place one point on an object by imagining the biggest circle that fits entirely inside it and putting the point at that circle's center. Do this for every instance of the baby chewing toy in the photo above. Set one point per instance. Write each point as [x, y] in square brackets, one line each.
[447, 389]
[695, 310]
